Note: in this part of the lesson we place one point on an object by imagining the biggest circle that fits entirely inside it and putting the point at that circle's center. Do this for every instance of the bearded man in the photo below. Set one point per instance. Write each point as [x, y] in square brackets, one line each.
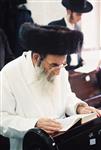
[35, 91]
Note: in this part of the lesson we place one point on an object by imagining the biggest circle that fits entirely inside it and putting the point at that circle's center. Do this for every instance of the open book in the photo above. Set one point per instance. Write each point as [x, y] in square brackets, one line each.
[68, 122]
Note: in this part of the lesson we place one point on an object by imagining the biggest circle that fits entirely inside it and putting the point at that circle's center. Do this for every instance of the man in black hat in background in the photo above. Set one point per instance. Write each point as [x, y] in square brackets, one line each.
[35, 87]
[75, 9]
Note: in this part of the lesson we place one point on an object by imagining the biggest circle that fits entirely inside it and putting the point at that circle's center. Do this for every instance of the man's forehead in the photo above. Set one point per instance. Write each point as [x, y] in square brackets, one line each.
[55, 57]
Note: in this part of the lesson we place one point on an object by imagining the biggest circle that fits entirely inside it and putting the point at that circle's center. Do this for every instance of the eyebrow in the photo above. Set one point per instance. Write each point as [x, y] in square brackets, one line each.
[55, 64]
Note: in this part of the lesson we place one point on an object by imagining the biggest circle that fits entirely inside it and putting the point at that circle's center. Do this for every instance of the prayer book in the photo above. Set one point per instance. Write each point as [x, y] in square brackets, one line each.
[70, 121]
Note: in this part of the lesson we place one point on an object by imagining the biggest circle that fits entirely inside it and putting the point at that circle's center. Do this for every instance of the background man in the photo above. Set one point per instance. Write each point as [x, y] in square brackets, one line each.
[74, 9]
[35, 87]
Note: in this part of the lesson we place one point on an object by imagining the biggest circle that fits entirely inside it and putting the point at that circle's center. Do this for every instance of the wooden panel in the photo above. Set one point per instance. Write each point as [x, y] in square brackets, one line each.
[84, 85]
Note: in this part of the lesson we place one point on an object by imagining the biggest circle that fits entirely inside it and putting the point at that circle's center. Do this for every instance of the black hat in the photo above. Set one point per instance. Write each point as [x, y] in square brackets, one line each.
[18, 2]
[50, 39]
[81, 6]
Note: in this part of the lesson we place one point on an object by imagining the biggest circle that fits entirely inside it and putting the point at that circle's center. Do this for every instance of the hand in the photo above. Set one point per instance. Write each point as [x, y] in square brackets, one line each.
[49, 125]
[84, 109]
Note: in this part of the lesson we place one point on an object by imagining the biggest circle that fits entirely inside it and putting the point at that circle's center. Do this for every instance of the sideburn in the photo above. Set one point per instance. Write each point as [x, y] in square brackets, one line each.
[40, 60]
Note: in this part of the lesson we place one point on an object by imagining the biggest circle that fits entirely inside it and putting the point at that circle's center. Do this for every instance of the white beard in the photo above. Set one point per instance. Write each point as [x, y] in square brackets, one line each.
[50, 87]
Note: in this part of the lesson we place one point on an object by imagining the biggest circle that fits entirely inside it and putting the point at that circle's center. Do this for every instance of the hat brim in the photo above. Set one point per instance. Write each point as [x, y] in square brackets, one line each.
[86, 9]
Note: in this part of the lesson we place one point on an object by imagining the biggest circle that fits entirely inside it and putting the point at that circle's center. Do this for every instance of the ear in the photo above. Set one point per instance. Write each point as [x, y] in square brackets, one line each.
[35, 57]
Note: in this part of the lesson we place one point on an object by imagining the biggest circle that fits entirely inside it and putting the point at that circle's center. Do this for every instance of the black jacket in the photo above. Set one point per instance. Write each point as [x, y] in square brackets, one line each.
[6, 54]
[11, 17]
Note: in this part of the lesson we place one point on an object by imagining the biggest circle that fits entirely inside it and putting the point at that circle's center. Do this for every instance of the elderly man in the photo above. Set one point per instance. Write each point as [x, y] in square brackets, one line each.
[74, 11]
[34, 87]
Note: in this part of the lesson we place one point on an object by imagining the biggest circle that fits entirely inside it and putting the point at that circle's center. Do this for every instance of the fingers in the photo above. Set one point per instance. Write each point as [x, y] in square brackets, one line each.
[49, 125]
[83, 109]
[89, 109]
[97, 111]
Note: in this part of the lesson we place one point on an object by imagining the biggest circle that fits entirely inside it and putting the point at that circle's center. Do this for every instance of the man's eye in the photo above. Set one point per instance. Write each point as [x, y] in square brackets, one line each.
[54, 65]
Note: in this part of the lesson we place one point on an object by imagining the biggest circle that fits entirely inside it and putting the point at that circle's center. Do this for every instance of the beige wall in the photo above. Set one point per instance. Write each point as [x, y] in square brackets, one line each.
[44, 11]
[91, 26]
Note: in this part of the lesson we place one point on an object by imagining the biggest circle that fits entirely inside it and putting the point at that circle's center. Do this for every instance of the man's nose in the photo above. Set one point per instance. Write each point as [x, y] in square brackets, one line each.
[57, 71]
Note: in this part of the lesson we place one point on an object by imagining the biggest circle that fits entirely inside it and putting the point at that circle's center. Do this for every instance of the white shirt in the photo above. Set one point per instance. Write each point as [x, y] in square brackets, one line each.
[23, 102]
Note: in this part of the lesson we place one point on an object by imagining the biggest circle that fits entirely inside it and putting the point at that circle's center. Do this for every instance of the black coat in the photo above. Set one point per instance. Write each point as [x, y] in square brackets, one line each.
[11, 17]
[6, 54]
[60, 22]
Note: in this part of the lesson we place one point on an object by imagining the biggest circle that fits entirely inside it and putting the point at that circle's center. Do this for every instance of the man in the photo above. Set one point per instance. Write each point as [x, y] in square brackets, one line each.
[35, 88]
[74, 9]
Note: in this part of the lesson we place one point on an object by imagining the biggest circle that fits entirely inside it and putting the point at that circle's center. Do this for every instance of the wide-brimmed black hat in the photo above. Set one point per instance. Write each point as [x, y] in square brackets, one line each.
[81, 6]
[50, 39]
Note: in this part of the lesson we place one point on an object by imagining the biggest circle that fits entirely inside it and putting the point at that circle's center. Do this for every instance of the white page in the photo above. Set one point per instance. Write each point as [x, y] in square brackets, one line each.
[72, 120]
[68, 122]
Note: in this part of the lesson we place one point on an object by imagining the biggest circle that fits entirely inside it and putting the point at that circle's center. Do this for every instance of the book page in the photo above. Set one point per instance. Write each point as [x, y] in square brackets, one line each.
[87, 117]
[68, 122]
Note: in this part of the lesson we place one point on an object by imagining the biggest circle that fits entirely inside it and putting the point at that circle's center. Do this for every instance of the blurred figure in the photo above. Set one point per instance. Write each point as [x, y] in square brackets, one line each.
[74, 9]
[23, 15]
[6, 54]
[13, 13]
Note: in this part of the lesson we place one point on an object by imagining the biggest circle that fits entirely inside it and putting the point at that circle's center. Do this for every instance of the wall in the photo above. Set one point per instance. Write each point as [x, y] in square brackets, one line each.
[91, 26]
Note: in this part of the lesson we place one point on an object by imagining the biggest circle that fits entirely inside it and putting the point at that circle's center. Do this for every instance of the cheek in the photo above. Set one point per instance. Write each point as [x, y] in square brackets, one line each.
[56, 71]
[78, 18]
[46, 68]
[52, 72]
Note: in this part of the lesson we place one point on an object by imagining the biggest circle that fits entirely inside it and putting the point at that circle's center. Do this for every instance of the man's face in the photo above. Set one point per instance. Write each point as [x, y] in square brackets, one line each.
[75, 17]
[52, 64]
